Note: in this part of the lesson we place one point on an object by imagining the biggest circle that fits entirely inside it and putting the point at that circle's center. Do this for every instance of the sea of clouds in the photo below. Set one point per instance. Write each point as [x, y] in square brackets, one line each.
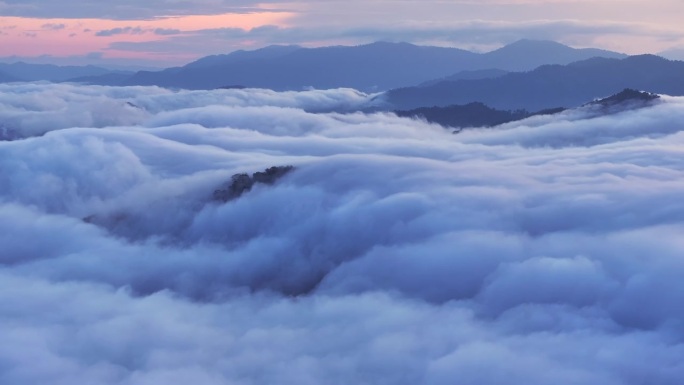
[545, 251]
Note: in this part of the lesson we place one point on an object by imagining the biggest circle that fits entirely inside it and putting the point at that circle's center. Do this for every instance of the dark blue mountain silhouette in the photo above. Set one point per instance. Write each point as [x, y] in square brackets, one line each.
[525, 55]
[6, 78]
[372, 67]
[474, 114]
[377, 66]
[468, 75]
[551, 85]
[269, 52]
[477, 114]
[33, 72]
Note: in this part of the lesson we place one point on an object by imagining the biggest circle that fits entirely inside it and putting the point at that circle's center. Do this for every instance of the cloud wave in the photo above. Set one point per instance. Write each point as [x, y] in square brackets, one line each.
[541, 251]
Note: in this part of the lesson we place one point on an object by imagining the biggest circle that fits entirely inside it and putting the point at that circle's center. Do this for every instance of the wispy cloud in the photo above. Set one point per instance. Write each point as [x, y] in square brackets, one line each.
[128, 9]
[167, 31]
[53, 27]
[121, 31]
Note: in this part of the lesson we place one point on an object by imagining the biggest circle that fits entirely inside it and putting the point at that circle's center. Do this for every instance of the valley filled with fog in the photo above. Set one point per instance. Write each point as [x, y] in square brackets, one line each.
[543, 251]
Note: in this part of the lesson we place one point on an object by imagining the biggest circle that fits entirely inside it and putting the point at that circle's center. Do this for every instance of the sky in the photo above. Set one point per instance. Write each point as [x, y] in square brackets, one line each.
[543, 251]
[170, 32]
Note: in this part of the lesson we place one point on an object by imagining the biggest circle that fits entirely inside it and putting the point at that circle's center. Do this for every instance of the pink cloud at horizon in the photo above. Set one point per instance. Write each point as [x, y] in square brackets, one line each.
[140, 32]
[27, 37]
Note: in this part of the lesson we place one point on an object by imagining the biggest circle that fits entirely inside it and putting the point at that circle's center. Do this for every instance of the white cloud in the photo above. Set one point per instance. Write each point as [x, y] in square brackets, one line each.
[542, 251]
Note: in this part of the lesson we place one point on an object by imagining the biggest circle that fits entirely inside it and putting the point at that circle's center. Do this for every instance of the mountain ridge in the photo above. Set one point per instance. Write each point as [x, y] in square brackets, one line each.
[370, 68]
[549, 86]
[479, 115]
[22, 71]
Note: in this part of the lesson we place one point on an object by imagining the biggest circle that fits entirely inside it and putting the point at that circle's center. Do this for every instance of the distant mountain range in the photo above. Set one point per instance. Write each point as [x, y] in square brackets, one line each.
[412, 76]
[372, 67]
[6, 78]
[673, 54]
[477, 114]
[468, 75]
[474, 114]
[21, 71]
[550, 86]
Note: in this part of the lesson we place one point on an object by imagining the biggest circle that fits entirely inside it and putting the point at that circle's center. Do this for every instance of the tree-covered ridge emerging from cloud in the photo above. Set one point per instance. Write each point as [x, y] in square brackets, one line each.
[542, 251]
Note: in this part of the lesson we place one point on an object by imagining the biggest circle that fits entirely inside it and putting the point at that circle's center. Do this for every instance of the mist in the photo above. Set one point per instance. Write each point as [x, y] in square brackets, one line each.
[541, 251]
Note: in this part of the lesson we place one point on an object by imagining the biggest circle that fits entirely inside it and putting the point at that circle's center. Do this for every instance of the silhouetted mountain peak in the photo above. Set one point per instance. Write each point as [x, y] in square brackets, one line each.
[634, 63]
[381, 46]
[474, 114]
[388, 44]
[526, 54]
[593, 62]
[269, 52]
[242, 183]
[478, 114]
[647, 59]
[371, 67]
[628, 96]
[536, 46]
[529, 44]
[32, 72]
[552, 85]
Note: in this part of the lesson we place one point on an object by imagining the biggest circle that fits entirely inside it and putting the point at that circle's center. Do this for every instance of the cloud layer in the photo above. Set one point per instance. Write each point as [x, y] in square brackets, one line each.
[542, 251]
[167, 33]
[126, 9]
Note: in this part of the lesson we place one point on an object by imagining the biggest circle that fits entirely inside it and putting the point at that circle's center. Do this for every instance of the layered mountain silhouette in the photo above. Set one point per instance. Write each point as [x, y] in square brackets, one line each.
[525, 55]
[673, 54]
[6, 78]
[372, 67]
[468, 75]
[626, 97]
[477, 114]
[270, 52]
[550, 86]
[21, 71]
[106, 79]
[474, 114]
